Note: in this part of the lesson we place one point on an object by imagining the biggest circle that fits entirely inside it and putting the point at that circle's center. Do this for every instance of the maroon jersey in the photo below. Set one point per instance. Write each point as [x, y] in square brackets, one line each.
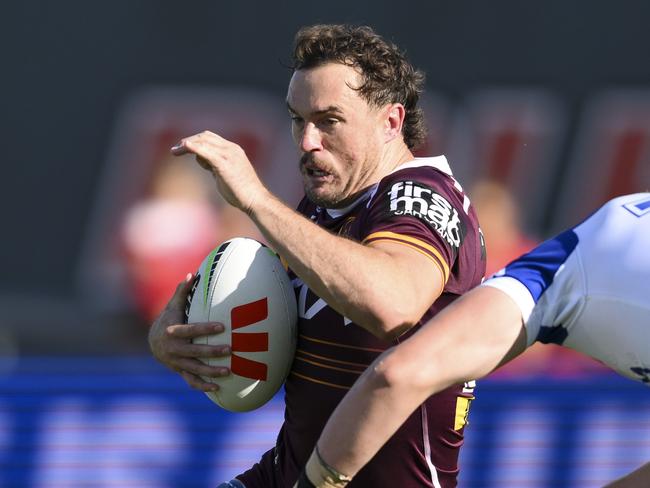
[421, 206]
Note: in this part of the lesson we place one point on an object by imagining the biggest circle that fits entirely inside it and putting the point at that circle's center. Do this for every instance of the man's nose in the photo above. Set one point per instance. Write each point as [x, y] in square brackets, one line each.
[311, 138]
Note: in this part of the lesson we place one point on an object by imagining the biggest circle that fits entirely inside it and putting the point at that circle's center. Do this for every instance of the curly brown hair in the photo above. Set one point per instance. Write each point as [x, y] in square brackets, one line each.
[387, 76]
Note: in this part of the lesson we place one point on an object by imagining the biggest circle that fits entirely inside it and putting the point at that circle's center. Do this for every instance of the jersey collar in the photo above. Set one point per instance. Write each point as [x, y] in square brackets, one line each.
[438, 162]
[335, 213]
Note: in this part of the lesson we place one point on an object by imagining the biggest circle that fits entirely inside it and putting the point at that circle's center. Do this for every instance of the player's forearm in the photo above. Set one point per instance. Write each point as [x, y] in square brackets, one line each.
[356, 280]
[465, 341]
[383, 398]
[366, 418]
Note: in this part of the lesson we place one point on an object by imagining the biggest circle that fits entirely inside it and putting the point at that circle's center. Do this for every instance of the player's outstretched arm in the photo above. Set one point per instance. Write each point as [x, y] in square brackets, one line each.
[467, 340]
[170, 341]
[356, 280]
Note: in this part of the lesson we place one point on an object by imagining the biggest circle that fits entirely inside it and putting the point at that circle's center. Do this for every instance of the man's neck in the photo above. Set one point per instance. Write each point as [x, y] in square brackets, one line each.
[391, 158]
[395, 154]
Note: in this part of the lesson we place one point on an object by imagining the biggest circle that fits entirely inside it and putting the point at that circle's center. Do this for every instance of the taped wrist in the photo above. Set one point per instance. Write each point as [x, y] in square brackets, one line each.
[303, 481]
[323, 475]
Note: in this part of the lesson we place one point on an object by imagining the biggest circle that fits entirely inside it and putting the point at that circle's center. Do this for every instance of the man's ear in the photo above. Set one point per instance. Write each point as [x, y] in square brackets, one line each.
[394, 120]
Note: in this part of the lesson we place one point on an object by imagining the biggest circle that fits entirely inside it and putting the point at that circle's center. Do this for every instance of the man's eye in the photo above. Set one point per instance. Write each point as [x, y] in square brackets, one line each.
[296, 120]
[331, 121]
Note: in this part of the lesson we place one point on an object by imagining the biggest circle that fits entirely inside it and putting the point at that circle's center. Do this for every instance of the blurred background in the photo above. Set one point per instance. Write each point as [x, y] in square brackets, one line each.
[542, 109]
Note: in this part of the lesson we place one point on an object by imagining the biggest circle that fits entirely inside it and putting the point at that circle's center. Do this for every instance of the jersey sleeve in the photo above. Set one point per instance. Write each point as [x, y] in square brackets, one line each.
[527, 278]
[420, 209]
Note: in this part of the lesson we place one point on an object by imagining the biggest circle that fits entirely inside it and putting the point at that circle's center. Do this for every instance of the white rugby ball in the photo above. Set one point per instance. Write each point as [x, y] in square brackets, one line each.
[243, 285]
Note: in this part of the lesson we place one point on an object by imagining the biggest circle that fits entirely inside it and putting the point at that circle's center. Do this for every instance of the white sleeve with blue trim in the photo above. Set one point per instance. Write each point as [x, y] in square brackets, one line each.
[589, 287]
[534, 275]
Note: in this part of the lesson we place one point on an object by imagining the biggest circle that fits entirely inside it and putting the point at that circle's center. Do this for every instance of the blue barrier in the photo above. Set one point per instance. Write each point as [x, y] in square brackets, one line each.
[128, 422]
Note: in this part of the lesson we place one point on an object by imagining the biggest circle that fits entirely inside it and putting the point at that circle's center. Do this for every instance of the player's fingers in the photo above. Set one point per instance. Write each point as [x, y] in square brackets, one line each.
[207, 154]
[205, 139]
[184, 349]
[183, 146]
[213, 137]
[190, 331]
[204, 163]
[179, 149]
[190, 144]
[182, 290]
[198, 383]
[209, 148]
[199, 368]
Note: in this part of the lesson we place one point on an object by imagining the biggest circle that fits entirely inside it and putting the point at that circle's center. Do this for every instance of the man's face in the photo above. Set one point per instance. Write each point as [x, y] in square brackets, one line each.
[340, 136]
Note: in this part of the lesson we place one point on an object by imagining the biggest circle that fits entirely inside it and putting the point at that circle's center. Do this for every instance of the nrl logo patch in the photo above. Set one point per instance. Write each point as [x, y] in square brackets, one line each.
[422, 202]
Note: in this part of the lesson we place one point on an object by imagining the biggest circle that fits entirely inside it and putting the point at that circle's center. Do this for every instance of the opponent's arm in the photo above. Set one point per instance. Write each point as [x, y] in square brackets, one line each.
[384, 287]
[467, 340]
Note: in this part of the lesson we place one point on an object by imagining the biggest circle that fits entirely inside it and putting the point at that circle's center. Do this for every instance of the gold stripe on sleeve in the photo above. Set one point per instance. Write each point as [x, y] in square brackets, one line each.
[413, 243]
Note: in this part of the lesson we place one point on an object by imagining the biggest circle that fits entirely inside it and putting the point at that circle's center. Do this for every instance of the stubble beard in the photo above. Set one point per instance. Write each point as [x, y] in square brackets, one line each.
[322, 200]
[332, 201]
[326, 200]
[335, 196]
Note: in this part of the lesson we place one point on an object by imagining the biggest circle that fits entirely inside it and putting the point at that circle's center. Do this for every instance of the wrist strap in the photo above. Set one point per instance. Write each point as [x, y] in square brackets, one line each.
[322, 475]
[303, 481]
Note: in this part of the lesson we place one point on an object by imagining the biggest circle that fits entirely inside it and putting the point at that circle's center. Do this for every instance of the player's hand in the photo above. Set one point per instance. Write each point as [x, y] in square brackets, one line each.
[236, 179]
[170, 341]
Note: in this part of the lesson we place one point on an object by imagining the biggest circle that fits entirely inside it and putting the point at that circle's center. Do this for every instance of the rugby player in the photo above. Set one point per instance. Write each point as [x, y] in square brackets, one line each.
[381, 242]
[587, 289]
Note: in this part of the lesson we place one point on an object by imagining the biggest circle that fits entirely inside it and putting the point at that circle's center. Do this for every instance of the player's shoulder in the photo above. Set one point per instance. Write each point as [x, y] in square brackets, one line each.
[432, 169]
[626, 207]
[421, 178]
[627, 214]
[636, 203]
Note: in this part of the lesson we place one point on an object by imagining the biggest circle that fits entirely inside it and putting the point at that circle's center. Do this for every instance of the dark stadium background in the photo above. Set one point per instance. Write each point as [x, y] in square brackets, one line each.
[82, 403]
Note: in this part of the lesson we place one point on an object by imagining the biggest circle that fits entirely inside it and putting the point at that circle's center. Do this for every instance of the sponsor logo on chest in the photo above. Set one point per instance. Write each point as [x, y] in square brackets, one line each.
[410, 198]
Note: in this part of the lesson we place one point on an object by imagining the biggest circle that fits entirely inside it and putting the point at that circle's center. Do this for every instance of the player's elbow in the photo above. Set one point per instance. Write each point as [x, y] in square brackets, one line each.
[389, 331]
[390, 320]
[394, 371]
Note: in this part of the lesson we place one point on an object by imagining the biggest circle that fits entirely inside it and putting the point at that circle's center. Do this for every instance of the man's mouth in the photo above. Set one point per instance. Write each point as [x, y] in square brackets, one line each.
[312, 169]
[314, 172]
